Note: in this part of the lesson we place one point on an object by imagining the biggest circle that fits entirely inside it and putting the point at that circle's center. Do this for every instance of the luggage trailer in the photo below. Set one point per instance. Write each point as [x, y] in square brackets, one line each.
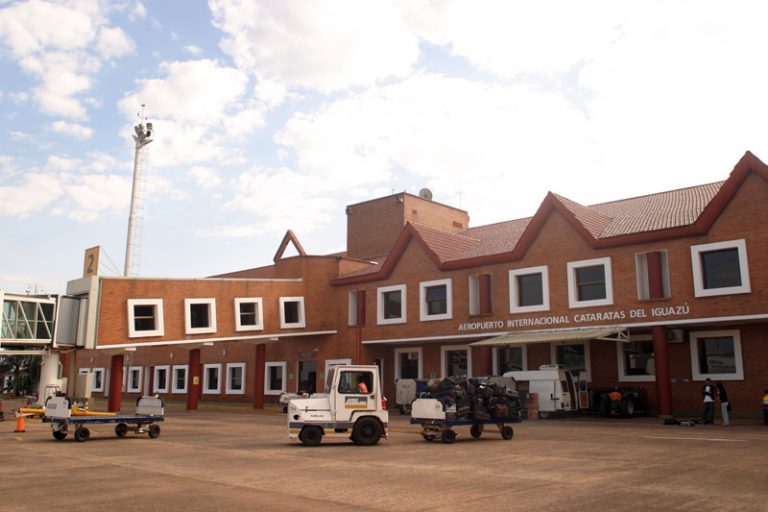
[149, 411]
[436, 424]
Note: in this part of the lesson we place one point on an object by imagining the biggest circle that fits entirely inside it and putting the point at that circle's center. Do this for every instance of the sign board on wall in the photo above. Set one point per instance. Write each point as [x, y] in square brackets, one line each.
[91, 263]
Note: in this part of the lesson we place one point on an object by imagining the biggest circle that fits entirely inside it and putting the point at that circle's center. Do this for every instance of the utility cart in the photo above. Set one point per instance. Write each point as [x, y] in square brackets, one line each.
[59, 413]
[436, 423]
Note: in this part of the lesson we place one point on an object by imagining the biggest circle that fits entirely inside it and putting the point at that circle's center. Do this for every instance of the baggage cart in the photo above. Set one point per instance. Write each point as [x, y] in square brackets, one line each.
[437, 424]
[149, 412]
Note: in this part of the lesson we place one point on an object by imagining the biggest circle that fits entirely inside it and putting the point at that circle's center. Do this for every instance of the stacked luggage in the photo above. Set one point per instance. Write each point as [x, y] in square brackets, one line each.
[485, 399]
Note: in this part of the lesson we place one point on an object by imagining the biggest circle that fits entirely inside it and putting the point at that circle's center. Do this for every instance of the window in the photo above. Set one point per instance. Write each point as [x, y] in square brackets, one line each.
[716, 355]
[274, 378]
[636, 360]
[292, 312]
[590, 283]
[509, 359]
[161, 379]
[145, 317]
[98, 379]
[456, 360]
[408, 363]
[720, 268]
[529, 290]
[480, 301]
[235, 378]
[211, 379]
[248, 314]
[652, 270]
[391, 305]
[179, 383]
[134, 379]
[356, 308]
[200, 315]
[355, 383]
[573, 356]
[436, 301]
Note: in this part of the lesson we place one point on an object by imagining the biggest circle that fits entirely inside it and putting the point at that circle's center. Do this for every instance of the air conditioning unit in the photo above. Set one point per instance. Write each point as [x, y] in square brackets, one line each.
[675, 335]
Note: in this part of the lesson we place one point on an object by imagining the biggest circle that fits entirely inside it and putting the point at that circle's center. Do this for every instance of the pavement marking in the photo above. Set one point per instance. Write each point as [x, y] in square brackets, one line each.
[698, 439]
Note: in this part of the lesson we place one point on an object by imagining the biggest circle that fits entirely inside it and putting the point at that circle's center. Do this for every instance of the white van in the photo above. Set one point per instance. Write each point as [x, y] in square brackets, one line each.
[554, 386]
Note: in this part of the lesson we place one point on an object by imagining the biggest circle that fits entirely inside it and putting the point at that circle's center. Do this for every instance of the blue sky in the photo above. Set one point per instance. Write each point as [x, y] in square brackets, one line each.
[273, 115]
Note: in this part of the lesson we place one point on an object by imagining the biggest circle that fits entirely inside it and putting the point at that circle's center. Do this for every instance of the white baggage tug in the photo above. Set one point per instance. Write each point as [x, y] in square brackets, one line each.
[352, 407]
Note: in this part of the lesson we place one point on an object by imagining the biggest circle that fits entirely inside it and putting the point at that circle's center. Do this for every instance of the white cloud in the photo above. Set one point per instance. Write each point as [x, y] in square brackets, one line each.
[35, 192]
[114, 42]
[54, 42]
[198, 110]
[75, 130]
[96, 194]
[193, 50]
[322, 45]
[204, 177]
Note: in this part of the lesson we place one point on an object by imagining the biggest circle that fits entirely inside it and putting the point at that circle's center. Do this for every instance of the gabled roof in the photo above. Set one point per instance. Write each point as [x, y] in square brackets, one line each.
[685, 212]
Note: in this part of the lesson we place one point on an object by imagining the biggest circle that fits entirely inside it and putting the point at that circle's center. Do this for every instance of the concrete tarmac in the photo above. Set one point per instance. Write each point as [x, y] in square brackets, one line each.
[208, 460]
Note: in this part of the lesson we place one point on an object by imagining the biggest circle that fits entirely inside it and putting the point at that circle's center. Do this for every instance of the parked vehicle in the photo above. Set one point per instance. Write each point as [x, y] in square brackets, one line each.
[352, 407]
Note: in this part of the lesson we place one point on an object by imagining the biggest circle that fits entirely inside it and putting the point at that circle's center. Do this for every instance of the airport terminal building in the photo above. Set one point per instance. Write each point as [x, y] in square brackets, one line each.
[659, 292]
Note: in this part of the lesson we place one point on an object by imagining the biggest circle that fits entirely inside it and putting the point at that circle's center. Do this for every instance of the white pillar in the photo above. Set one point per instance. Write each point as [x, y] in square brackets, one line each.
[49, 374]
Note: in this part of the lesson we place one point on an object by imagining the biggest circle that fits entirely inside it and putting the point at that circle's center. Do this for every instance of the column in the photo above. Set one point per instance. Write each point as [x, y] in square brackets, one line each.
[482, 361]
[49, 375]
[115, 383]
[661, 356]
[193, 380]
[258, 376]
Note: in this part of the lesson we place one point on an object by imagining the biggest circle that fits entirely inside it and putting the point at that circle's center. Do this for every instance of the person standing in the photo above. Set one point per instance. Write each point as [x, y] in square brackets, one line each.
[725, 405]
[708, 394]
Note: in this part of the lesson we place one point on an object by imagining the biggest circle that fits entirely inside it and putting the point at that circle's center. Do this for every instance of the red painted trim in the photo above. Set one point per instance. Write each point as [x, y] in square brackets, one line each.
[116, 383]
[748, 163]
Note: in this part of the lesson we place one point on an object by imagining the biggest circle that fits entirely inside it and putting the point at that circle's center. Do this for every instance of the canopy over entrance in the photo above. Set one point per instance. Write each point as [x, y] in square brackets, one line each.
[516, 338]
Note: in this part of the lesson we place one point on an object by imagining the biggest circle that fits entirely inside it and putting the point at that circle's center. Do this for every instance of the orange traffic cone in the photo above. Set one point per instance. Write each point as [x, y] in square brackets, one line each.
[20, 423]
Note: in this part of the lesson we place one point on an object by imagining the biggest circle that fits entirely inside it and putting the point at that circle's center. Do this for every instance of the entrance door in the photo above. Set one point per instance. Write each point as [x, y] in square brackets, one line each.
[308, 377]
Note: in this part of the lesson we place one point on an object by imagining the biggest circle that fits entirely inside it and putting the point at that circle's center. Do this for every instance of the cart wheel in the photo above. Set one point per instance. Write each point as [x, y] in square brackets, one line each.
[367, 431]
[59, 435]
[121, 429]
[448, 436]
[428, 437]
[82, 434]
[154, 431]
[311, 435]
[507, 433]
[476, 430]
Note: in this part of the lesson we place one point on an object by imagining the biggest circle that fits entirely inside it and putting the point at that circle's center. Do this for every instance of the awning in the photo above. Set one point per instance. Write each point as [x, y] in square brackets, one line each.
[515, 338]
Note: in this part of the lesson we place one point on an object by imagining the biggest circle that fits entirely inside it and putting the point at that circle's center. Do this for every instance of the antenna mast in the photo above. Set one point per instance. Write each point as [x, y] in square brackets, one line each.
[142, 137]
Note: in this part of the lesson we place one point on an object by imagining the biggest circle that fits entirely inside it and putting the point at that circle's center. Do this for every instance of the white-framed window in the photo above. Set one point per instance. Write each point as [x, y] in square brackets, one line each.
[145, 318]
[636, 359]
[391, 304]
[356, 308]
[179, 378]
[292, 312]
[574, 356]
[161, 379]
[480, 294]
[529, 289]
[98, 379]
[249, 314]
[235, 378]
[720, 268]
[200, 316]
[590, 283]
[135, 374]
[645, 263]
[509, 359]
[274, 377]
[455, 360]
[435, 300]
[716, 355]
[211, 379]
[409, 363]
